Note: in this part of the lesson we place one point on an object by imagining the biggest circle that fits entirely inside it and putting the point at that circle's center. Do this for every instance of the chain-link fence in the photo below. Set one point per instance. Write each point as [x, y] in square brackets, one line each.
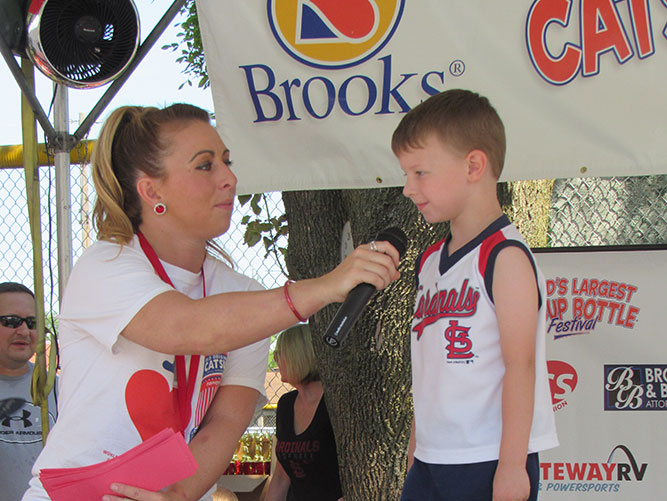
[611, 211]
[562, 213]
[582, 212]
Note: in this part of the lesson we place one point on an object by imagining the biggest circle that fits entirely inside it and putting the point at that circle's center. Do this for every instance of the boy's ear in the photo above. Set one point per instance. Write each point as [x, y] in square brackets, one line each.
[477, 164]
[147, 190]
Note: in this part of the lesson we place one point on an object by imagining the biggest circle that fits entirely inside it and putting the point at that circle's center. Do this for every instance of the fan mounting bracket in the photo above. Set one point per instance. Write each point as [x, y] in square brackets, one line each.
[62, 142]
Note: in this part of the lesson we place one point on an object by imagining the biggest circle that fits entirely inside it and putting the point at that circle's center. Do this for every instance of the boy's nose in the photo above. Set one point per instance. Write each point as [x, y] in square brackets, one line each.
[408, 189]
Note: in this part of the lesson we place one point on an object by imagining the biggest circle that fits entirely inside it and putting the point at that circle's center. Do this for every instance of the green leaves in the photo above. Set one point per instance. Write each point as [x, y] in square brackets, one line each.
[192, 49]
[264, 227]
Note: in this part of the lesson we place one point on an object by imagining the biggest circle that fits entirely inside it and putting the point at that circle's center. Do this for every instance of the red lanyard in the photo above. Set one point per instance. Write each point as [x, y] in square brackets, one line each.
[185, 388]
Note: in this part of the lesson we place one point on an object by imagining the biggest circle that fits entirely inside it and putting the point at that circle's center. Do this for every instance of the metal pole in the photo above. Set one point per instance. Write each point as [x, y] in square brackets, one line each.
[85, 219]
[63, 189]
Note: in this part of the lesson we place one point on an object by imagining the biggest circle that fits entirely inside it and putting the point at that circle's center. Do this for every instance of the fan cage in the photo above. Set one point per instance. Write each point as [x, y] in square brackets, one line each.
[83, 43]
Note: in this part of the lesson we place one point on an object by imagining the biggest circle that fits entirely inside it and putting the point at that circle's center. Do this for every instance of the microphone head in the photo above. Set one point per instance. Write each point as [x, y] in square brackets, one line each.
[396, 237]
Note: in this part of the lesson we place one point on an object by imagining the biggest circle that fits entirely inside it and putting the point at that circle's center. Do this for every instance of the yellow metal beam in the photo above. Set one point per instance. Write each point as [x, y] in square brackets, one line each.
[42, 378]
[12, 157]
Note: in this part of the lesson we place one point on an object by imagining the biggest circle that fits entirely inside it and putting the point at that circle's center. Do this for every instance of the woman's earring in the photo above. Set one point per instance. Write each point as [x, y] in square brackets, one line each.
[159, 208]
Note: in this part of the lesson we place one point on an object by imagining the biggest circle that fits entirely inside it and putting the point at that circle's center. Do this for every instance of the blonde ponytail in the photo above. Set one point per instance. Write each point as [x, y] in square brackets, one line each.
[109, 217]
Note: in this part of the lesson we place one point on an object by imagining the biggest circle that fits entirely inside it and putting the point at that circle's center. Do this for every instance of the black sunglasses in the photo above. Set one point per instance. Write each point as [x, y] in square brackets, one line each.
[14, 321]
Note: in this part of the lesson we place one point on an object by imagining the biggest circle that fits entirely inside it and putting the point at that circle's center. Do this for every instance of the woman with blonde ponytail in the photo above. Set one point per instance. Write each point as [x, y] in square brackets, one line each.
[155, 331]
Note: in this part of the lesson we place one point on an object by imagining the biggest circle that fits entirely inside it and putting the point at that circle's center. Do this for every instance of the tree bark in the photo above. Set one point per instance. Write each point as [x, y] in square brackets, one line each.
[367, 381]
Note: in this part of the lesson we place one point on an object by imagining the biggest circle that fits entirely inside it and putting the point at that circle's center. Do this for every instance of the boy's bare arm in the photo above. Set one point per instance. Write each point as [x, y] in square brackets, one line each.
[515, 295]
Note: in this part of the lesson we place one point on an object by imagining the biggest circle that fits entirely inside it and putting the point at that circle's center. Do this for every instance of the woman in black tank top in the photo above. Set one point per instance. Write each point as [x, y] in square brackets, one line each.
[307, 464]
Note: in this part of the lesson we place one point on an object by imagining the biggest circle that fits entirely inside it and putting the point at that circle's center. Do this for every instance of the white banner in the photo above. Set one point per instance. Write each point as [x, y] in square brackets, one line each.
[607, 356]
[308, 92]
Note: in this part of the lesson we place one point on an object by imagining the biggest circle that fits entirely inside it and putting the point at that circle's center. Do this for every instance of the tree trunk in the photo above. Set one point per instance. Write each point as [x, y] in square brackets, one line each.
[367, 381]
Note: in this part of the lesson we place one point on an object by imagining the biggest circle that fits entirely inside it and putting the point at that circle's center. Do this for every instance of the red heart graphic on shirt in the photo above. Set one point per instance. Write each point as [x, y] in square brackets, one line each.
[151, 405]
[353, 18]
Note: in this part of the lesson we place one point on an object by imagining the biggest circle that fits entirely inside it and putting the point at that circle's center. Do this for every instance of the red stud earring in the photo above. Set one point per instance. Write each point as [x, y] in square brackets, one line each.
[159, 208]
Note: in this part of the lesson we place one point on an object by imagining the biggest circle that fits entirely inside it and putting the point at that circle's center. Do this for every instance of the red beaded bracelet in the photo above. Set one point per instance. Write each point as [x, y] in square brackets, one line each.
[290, 303]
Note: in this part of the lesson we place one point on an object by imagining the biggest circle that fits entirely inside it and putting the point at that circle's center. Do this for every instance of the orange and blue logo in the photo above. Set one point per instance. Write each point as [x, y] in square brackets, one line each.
[333, 34]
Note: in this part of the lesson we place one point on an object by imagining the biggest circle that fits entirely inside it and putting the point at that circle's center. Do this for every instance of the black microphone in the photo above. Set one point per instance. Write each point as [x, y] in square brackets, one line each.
[356, 300]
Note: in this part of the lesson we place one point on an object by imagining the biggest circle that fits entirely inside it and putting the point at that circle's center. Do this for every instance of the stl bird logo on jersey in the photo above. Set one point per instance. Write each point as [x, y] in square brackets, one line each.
[333, 34]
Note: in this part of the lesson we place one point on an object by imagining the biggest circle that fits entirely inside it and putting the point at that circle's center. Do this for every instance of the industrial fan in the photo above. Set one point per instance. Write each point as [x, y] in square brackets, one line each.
[82, 43]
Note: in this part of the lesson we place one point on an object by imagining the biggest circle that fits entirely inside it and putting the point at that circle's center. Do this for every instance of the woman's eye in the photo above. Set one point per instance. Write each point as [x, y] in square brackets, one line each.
[228, 162]
[205, 166]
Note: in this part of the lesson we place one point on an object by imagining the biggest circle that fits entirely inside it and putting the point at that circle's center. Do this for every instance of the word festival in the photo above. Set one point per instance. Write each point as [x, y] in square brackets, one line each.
[587, 302]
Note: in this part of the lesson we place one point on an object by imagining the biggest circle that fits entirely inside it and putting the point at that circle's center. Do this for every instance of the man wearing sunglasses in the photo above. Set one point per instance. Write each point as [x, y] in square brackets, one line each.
[20, 421]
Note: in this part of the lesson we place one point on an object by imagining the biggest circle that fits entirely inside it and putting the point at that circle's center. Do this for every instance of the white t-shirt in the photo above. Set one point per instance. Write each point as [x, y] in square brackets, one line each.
[114, 393]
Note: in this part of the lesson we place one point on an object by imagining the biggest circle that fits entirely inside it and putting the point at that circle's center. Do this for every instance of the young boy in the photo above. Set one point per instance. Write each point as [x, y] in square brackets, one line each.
[480, 384]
